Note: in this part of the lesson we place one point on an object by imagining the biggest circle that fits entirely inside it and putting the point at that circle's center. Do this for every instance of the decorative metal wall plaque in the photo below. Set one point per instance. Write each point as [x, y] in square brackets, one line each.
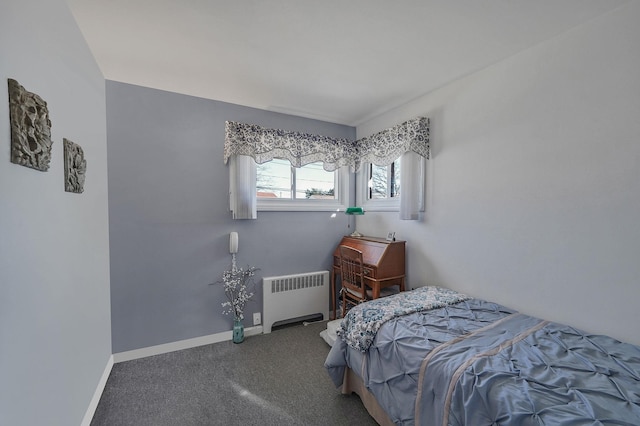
[30, 128]
[75, 167]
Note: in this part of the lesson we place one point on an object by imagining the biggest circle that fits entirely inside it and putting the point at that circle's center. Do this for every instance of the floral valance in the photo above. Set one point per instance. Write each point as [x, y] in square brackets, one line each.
[300, 149]
[384, 147]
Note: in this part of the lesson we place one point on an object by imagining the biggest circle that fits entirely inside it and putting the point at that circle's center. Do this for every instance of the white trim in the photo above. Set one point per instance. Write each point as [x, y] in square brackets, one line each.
[93, 404]
[181, 344]
[300, 206]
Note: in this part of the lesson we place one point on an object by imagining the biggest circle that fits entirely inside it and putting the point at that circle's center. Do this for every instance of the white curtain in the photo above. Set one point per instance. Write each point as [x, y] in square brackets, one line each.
[412, 179]
[242, 187]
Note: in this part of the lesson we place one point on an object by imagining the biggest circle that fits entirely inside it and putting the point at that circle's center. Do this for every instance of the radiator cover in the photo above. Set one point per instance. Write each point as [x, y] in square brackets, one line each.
[294, 296]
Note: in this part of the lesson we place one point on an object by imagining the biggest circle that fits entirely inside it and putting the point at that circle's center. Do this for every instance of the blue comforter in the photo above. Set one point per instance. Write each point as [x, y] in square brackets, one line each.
[479, 363]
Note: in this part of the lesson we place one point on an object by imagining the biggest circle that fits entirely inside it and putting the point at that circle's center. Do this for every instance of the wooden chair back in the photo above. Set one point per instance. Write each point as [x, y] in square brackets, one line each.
[354, 289]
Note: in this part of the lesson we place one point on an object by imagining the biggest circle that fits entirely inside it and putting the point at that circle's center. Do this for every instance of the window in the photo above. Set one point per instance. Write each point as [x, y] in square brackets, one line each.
[384, 181]
[380, 187]
[279, 186]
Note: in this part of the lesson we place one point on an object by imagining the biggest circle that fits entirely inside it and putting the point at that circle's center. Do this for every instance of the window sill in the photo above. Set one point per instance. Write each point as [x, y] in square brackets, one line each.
[382, 206]
[300, 206]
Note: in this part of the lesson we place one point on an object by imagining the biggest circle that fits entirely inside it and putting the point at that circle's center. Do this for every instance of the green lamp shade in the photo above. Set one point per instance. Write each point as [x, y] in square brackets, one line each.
[354, 210]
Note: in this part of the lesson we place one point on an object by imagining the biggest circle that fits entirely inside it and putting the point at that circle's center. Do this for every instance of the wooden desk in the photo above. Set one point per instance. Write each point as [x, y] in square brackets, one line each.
[384, 264]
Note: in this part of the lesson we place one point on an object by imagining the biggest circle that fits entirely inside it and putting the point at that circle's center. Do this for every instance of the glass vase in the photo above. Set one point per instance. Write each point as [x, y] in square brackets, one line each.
[238, 331]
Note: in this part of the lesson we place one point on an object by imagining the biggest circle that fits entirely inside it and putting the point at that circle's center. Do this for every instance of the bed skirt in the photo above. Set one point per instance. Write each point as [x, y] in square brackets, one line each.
[354, 384]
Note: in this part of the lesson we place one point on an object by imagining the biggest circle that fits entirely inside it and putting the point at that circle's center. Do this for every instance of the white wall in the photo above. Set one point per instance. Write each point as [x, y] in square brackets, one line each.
[55, 332]
[534, 182]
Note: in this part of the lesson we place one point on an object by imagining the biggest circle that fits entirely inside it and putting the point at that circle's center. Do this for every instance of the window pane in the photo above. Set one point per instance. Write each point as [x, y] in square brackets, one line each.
[378, 182]
[384, 181]
[395, 192]
[313, 182]
[274, 179]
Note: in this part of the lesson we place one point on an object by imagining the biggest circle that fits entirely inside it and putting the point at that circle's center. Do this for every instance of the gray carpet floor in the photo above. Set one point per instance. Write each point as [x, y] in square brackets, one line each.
[272, 379]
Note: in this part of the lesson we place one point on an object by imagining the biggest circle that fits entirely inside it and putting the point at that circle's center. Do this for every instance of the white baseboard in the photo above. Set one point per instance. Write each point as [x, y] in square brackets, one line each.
[88, 415]
[181, 344]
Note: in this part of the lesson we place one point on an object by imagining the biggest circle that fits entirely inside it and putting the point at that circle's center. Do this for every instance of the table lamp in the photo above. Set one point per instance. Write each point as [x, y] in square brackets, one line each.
[352, 211]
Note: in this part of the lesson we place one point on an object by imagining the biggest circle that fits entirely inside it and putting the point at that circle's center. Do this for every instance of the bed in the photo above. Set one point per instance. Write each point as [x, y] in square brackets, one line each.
[432, 356]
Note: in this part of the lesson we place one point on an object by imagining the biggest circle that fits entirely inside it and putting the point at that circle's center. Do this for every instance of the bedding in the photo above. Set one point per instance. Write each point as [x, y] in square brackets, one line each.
[475, 362]
[361, 324]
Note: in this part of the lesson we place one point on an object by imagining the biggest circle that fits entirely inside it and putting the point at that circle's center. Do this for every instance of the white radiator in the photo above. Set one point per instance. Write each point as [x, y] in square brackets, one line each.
[294, 296]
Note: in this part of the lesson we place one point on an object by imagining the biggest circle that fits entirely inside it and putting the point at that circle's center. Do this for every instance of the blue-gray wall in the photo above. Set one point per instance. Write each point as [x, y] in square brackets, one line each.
[169, 217]
[55, 330]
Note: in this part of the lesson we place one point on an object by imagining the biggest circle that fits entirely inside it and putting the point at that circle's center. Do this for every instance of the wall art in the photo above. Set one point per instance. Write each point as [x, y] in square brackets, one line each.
[75, 167]
[30, 128]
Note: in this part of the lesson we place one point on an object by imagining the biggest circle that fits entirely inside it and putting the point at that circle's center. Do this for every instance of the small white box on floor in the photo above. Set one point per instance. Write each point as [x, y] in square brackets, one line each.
[330, 334]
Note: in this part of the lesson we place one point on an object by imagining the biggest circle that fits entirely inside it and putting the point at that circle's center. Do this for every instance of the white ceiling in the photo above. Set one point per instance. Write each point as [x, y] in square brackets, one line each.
[343, 61]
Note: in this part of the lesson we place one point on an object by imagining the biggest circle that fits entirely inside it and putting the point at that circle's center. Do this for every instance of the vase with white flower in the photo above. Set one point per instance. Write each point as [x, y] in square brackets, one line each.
[239, 289]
